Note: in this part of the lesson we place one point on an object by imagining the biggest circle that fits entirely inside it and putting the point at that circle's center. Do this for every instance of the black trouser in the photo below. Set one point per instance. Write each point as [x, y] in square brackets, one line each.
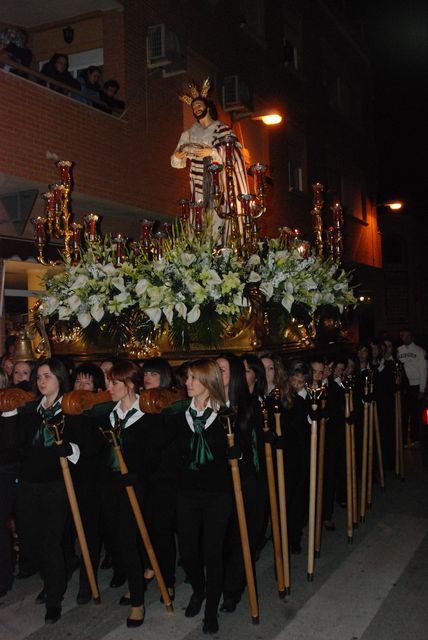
[196, 509]
[334, 468]
[89, 499]
[111, 491]
[234, 578]
[296, 465]
[8, 488]
[161, 508]
[42, 509]
[132, 547]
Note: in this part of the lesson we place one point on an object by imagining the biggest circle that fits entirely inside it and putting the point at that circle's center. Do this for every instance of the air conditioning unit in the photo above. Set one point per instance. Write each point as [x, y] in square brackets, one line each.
[165, 49]
[236, 95]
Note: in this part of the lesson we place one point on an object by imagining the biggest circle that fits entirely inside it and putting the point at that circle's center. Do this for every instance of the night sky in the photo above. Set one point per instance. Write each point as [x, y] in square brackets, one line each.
[398, 35]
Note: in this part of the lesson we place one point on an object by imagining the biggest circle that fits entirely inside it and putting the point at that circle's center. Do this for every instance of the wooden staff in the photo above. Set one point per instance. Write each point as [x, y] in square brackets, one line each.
[353, 461]
[370, 449]
[273, 508]
[282, 496]
[243, 529]
[349, 482]
[71, 494]
[379, 448]
[314, 395]
[364, 456]
[320, 483]
[111, 435]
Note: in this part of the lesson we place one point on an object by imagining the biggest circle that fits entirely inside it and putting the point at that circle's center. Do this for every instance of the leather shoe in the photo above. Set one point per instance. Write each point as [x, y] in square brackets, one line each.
[83, 597]
[53, 614]
[133, 623]
[117, 580]
[228, 605]
[125, 601]
[210, 625]
[41, 598]
[195, 605]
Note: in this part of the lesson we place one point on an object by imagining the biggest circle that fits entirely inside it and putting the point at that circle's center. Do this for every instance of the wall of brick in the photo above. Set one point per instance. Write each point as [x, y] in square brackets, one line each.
[128, 160]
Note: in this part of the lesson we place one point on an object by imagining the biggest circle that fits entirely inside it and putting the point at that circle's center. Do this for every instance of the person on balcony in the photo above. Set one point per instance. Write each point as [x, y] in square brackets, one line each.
[108, 96]
[89, 81]
[13, 47]
[57, 69]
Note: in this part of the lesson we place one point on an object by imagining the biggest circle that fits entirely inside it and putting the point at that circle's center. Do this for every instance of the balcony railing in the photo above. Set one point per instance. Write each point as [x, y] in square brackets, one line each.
[64, 89]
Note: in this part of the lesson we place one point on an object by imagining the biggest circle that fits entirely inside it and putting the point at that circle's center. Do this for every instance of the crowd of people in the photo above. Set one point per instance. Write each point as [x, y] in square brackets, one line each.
[91, 91]
[178, 463]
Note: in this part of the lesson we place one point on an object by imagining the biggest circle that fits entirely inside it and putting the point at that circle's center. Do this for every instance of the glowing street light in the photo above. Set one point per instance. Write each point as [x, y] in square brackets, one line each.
[393, 205]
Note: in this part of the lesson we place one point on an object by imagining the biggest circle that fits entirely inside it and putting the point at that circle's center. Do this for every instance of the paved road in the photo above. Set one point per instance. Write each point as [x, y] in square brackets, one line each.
[374, 589]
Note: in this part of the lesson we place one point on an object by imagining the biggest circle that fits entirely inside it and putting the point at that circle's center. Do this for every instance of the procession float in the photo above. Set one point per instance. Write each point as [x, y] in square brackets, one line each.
[205, 281]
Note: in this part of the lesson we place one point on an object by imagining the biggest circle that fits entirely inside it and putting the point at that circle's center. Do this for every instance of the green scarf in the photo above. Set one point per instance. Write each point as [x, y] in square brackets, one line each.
[120, 424]
[198, 443]
[44, 436]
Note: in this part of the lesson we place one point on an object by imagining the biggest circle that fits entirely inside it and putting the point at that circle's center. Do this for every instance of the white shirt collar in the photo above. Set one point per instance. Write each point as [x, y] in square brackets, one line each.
[42, 404]
[199, 412]
[121, 414]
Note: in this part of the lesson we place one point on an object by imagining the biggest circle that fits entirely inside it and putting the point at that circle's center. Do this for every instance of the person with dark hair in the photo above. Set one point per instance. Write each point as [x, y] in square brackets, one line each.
[106, 365]
[157, 372]
[294, 407]
[42, 505]
[162, 495]
[203, 144]
[141, 441]
[13, 46]
[248, 429]
[57, 69]
[108, 96]
[88, 474]
[335, 454]
[89, 81]
[255, 374]
[88, 377]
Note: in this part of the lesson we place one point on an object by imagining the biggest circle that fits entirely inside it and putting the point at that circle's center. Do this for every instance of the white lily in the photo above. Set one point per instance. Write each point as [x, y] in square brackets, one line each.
[154, 314]
[84, 319]
[193, 314]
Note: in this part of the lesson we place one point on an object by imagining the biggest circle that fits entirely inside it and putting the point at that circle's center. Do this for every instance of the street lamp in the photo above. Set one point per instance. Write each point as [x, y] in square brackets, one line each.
[394, 205]
[267, 116]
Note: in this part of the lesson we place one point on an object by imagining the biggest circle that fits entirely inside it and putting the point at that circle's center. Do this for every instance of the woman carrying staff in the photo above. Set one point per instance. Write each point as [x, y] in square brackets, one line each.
[162, 496]
[42, 505]
[204, 502]
[140, 439]
[248, 429]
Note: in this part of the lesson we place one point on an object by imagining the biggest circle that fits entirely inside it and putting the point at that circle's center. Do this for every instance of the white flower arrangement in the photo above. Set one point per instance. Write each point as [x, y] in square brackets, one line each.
[287, 278]
[193, 283]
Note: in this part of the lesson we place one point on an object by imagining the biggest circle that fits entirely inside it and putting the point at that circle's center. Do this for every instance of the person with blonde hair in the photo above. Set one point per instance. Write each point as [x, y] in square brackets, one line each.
[204, 502]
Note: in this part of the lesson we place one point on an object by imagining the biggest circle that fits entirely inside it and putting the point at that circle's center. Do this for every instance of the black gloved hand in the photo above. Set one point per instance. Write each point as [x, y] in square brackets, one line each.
[234, 453]
[351, 418]
[63, 450]
[268, 436]
[128, 479]
[314, 414]
[278, 442]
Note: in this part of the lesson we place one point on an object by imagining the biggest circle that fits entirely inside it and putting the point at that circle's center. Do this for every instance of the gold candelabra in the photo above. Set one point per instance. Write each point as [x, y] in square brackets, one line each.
[57, 223]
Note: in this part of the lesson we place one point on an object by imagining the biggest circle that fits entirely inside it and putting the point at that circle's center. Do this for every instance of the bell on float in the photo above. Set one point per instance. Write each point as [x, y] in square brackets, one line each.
[23, 349]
